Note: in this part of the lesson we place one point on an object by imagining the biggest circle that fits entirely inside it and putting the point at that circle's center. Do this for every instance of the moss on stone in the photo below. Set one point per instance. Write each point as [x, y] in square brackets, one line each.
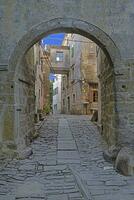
[8, 126]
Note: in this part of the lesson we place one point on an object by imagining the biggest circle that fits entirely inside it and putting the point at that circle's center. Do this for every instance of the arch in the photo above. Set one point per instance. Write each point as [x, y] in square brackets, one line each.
[68, 25]
[64, 25]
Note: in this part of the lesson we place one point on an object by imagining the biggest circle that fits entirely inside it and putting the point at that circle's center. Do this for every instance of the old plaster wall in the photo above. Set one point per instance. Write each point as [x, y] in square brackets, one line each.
[107, 107]
[112, 19]
[25, 101]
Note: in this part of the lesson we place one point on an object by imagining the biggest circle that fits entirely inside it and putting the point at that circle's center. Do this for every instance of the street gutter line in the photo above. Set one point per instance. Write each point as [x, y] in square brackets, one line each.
[87, 195]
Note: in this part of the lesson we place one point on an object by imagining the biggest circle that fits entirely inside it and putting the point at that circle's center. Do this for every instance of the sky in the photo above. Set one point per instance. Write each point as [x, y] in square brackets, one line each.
[53, 39]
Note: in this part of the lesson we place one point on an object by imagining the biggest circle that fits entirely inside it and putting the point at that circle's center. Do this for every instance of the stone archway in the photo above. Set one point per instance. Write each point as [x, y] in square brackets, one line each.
[71, 26]
[65, 25]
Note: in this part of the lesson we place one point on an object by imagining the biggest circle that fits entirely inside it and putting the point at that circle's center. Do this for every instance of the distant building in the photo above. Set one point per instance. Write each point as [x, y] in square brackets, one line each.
[101, 61]
[79, 87]
[57, 94]
[59, 57]
[60, 63]
[42, 84]
[75, 89]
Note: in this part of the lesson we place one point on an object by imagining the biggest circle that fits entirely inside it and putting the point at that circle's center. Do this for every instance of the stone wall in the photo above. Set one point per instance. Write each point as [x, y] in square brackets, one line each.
[64, 63]
[25, 101]
[125, 99]
[81, 77]
[108, 23]
[107, 99]
[6, 110]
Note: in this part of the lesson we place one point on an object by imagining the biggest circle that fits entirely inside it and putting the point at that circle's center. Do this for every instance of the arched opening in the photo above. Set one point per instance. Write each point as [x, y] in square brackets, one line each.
[107, 81]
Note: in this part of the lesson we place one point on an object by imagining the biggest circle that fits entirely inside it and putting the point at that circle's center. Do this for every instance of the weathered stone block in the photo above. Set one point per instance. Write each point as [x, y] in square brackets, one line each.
[125, 161]
[23, 154]
[111, 153]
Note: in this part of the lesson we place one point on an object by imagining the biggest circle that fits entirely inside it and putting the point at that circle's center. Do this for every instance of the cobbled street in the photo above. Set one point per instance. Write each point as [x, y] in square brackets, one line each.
[67, 164]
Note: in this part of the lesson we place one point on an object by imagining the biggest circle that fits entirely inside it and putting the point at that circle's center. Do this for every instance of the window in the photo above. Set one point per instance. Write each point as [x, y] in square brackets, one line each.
[68, 102]
[55, 106]
[72, 51]
[72, 74]
[73, 98]
[95, 96]
[63, 102]
[55, 91]
[59, 56]
[63, 83]
[67, 81]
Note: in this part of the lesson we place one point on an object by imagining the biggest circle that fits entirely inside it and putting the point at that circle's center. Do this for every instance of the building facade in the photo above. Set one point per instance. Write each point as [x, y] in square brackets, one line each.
[108, 23]
[57, 94]
[42, 83]
[80, 86]
[60, 59]
[60, 63]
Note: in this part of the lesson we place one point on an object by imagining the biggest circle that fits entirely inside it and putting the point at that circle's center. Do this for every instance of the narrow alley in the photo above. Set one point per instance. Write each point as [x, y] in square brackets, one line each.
[67, 164]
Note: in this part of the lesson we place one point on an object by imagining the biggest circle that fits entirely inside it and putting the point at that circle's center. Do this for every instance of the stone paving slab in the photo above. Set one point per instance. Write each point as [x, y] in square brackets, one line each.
[7, 197]
[67, 154]
[66, 145]
[68, 161]
[65, 136]
[97, 176]
[65, 142]
[58, 197]
[30, 189]
[40, 176]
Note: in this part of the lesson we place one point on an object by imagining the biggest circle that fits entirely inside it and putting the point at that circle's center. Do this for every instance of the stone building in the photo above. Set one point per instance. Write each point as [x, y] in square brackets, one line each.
[57, 94]
[80, 85]
[39, 82]
[59, 58]
[34, 83]
[104, 117]
[110, 24]
[45, 59]
[42, 84]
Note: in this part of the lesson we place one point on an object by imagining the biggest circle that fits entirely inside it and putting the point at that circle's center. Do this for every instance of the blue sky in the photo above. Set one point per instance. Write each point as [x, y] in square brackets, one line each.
[53, 39]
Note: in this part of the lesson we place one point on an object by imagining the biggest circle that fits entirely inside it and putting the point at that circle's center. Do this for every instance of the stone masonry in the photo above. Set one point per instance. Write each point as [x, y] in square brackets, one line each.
[79, 85]
[108, 23]
[67, 163]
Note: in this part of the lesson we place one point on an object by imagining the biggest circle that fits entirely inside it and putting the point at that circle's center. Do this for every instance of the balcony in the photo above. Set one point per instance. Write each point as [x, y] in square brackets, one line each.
[59, 58]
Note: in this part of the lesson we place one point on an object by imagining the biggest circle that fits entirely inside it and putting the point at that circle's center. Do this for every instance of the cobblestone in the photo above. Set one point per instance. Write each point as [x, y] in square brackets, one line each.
[67, 164]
